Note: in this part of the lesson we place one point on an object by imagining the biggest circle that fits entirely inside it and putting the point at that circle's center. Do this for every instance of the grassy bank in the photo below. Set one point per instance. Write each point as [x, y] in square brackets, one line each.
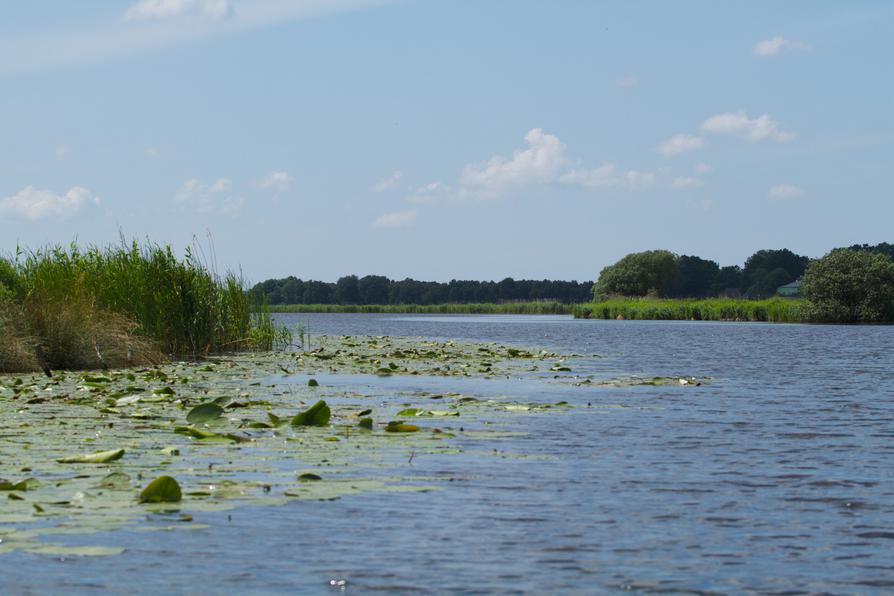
[507, 308]
[72, 309]
[776, 310]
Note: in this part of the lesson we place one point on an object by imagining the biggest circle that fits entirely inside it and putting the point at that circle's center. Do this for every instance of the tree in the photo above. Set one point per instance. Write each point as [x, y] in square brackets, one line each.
[639, 274]
[728, 278]
[764, 262]
[347, 290]
[850, 286]
[373, 289]
[695, 277]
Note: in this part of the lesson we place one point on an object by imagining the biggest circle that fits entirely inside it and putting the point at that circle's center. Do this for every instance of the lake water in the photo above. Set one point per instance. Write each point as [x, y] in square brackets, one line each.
[777, 476]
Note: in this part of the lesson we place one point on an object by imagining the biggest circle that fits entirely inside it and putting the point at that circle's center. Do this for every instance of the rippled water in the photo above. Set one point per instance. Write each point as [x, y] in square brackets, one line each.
[778, 476]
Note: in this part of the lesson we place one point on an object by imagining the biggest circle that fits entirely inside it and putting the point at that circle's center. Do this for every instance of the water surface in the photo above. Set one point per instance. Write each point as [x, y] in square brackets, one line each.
[777, 476]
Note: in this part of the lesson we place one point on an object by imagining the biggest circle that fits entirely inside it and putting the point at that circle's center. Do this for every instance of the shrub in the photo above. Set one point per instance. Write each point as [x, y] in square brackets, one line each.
[850, 286]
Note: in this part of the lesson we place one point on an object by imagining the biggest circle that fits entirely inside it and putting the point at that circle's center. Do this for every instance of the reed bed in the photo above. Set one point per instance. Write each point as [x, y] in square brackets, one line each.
[775, 310]
[121, 305]
[507, 308]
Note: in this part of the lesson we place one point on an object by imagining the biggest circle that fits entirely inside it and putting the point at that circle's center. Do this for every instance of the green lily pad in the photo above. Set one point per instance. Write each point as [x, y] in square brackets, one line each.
[102, 457]
[22, 485]
[366, 423]
[316, 415]
[204, 413]
[163, 489]
[312, 383]
[401, 427]
[309, 477]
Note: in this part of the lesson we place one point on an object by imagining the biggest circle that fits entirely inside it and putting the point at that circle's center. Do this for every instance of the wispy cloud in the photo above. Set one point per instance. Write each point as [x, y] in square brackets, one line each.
[774, 46]
[680, 143]
[738, 124]
[387, 182]
[155, 24]
[608, 175]
[681, 182]
[700, 205]
[430, 193]
[213, 197]
[785, 192]
[396, 219]
[627, 82]
[163, 10]
[34, 204]
[277, 181]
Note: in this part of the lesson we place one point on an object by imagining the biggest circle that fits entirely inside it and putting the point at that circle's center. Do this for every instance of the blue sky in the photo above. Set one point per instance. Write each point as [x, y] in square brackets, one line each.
[446, 139]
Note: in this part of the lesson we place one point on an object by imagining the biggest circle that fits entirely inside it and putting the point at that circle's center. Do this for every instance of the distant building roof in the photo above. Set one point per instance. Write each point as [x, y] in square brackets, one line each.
[794, 285]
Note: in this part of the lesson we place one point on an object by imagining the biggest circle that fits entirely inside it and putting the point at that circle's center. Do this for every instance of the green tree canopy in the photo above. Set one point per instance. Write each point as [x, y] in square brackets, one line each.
[762, 274]
[850, 286]
[695, 277]
[639, 274]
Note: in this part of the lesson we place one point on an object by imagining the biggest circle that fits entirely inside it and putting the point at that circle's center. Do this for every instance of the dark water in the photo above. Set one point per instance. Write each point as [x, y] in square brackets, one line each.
[777, 477]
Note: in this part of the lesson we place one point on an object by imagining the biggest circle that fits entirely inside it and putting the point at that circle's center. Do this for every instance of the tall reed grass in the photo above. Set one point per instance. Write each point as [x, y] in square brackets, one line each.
[776, 310]
[127, 304]
[515, 308]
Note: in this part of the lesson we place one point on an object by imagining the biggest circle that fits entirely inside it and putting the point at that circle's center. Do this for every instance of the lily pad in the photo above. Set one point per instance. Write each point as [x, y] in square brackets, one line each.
[309, 477]
[204, 413]
[163, 489]
[316, 415]
[312, 383]
[401, 427]
[366, 423]
[102, 457]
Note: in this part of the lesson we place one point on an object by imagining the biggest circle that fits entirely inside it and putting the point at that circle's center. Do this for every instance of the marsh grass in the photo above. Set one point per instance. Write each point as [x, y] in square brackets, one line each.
[124, 305]
[505, 308]
[16, 345]
[776, 310]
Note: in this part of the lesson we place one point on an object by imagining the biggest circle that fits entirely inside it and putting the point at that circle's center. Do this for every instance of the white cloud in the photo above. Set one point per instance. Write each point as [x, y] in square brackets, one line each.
[627, 82]
[279, 182]
[775, 45]
[700, 205]
[680, 143]
[702, 168]
[540, 163]
[160, 24]
[429, 193]
[396, 220]
[387, 182]
[738, 124]
[686, 182]
[34, 204]
[209, 198]
[785, 192]
[608, 175]
[162, 10]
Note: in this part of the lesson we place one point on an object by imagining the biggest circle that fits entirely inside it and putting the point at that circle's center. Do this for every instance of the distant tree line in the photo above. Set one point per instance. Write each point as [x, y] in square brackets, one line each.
[662, 273]
[376, 289]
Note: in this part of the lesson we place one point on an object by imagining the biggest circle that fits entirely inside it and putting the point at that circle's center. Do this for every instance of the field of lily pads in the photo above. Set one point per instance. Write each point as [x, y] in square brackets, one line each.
[154, 448]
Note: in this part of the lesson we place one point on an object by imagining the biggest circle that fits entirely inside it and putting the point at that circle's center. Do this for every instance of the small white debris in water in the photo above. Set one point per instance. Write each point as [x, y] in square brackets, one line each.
[684, 382]
[337, 583]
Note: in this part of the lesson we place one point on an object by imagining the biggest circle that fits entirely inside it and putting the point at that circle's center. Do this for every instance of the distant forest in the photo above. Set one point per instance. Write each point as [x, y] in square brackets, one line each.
[681, 277]
[376, 289]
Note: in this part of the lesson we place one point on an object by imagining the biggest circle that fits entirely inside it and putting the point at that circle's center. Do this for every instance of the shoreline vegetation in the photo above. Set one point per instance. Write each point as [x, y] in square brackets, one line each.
[772, 310]
[125, 305]
[507, 308]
